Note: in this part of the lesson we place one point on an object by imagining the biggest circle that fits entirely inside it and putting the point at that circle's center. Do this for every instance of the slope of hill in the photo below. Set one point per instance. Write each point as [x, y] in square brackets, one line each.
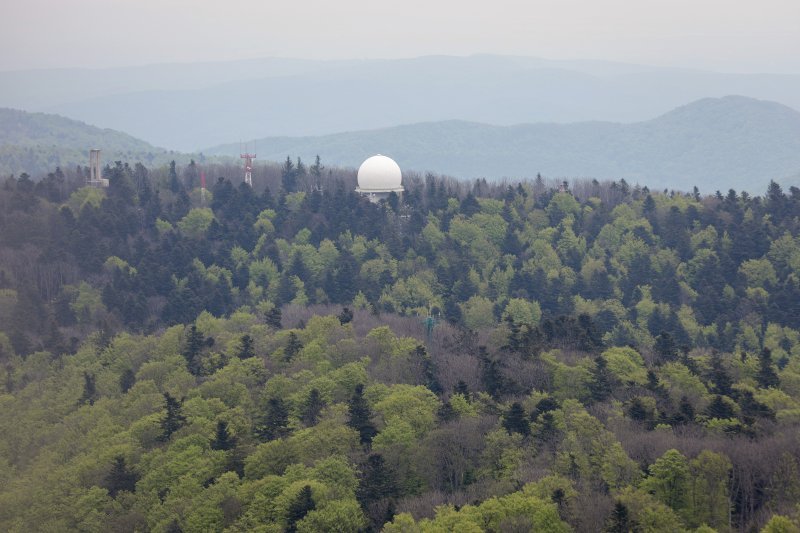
[217, 103]
[603, 360]
[37, 143]
[715, 143]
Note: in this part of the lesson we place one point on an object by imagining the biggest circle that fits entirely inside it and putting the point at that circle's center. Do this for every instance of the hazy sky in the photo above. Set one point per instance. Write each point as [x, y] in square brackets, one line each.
[728, 35]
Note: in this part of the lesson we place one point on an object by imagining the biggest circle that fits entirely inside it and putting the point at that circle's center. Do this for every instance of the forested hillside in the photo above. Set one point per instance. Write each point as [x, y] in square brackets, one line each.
[37, 143]
[469, 357]
[715, 143]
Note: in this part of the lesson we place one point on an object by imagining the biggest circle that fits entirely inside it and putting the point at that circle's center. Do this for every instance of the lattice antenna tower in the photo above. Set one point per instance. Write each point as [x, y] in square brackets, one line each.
[430, 322]
[248, 165]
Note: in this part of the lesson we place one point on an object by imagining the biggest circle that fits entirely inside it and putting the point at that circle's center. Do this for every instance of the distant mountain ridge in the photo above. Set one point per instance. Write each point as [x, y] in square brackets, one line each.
[38, 142]
[185, 107]
[714, 143]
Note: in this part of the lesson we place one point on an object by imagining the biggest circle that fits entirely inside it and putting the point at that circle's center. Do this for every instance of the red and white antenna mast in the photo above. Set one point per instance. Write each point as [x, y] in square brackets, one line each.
[248, 166]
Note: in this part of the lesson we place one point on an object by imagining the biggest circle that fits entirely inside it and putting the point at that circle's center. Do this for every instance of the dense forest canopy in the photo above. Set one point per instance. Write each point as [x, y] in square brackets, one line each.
[598, 356]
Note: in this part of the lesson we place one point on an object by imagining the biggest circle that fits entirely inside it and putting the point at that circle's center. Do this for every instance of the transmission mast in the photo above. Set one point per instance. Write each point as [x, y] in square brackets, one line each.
[248, 166]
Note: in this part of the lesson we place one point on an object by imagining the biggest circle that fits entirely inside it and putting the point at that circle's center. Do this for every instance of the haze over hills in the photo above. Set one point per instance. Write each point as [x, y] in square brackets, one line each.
[36, 143]
[714, 143]
[189, 106]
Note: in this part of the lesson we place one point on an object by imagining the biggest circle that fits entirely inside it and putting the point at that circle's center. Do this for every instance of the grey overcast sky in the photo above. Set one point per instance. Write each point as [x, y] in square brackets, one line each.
[725, 35]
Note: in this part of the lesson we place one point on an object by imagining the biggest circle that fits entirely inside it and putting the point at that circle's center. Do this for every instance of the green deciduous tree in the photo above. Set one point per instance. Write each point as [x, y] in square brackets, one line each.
[669, 480]
[709, 495]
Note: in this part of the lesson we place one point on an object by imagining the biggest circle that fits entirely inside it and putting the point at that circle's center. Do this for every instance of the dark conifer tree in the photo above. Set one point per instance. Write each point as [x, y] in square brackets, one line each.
[429, 368]
[637, 411]
[174, 183]
[275, 420]
[293, 347]
[273, 318]
[346, 316]
[511, 243]
[545, 405]
[377, 482]
[470, 206]
[516, 421]
[462, 388]
[766, 376]
[685, 411]
[312, 408]
[222, 438]
[602, 381]
[286, 289]
[719, 408]
[297, 267]
[90, 394]
[590, 339]
[619, 521]
[648, 206]
[317, 168]
[289, 175]
[127, 380]
[174, 527]
[191, 350]
[299, 508]
[752, 408]
[345, 278]
[446, 413]
[654, 385]
[359, 416]
[491, 375]
[718, 376]
[665, 347]
[173, 419]
[246, 349]
[120, 478]
[546, 430]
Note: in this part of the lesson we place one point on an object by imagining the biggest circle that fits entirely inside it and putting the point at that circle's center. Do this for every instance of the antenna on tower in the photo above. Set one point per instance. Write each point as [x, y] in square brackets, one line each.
[248, 165]
[430, 322]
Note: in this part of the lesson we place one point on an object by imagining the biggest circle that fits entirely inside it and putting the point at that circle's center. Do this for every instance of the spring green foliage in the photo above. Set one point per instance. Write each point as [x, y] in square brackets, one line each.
[272, 372]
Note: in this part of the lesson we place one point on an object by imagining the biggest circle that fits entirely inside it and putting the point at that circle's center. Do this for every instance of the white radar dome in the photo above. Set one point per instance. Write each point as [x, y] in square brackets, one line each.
[379, 173]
